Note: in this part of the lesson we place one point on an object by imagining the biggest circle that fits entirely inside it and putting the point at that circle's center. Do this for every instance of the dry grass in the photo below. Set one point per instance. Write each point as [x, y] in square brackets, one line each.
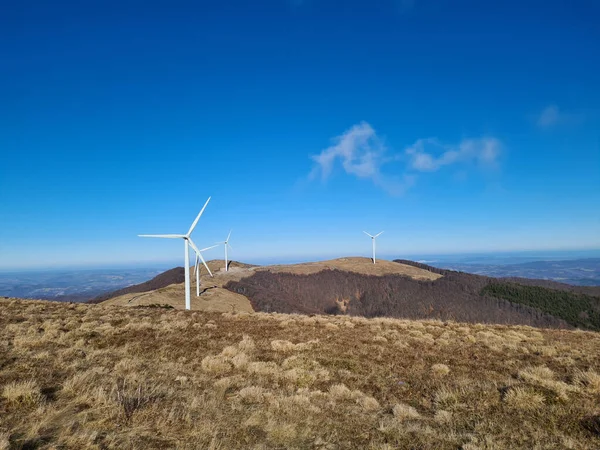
[22, 393]
[77, 376]
[358, 265]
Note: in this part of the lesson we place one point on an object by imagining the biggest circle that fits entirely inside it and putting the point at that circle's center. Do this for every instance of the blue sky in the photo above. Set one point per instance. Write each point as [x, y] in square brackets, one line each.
[455, 126]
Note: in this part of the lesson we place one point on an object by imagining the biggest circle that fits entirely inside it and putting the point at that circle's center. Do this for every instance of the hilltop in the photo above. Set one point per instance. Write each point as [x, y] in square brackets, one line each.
[79, 376]
[216, 296]
[355, 286]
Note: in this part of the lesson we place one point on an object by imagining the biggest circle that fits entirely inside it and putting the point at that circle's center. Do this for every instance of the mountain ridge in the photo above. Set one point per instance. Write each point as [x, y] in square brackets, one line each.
[354, 286]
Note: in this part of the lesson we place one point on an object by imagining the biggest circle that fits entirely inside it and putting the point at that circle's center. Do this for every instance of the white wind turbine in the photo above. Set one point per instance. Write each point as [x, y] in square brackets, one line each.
[226, 244]
[197, 267]
[186, 239]
[373, 241]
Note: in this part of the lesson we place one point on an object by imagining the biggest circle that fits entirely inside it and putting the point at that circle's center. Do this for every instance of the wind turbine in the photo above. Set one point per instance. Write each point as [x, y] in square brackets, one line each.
[226, 244]
[197, 267]
[373, 241]
[186, 240]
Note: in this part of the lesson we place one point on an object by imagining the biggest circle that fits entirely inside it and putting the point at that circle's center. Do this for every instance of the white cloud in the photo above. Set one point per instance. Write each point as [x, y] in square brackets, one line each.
[429, 155]
[362, 153]
[359, 150]
[549, 116]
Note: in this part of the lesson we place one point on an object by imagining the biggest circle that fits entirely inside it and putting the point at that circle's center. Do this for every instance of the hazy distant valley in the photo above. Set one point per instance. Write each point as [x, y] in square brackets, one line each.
[70, 285]
[580, 272]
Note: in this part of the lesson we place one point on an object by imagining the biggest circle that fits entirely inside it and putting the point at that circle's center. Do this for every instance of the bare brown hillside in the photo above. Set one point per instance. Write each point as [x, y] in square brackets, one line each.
[214, 297]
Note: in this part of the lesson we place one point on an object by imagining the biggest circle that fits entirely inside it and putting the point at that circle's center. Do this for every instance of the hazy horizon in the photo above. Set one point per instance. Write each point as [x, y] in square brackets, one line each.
[426, 258]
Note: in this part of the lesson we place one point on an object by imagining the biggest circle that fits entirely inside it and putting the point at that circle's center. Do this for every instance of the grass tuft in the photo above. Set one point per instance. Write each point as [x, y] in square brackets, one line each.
[22, 393]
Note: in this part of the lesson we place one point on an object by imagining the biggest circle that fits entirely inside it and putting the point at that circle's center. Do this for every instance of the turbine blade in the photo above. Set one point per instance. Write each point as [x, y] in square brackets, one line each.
[229, 246]
[198, 218]
[205, 265]
[379, 234]
[200, 255]
[367, 234]
[208, 248]
[193, 246]
[228, 236]
[166, 236]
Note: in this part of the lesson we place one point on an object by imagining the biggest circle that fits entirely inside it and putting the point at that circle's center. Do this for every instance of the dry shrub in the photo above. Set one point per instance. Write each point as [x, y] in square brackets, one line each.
[449, 399]
[440, 370]
[4, 441]
[78, 383]
[281, 434]
[22, 393]
[247, 344]
[132, 397]
[283, 346]
[589, 380]
[288, 347]
[404, 412]
[379, 339]
[252, 394]
[368, 403]
[240, 361]
[524, 399]
[217, 365]
[340, 392]
[263, 369]
[544, 377]
[544, 350]
[230, 351]
[443, 417]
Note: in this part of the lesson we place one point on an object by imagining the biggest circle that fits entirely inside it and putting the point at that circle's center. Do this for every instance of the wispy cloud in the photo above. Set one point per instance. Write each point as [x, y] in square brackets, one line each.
[549, 116]
[552, 116]
[429, 155]
[363, 154]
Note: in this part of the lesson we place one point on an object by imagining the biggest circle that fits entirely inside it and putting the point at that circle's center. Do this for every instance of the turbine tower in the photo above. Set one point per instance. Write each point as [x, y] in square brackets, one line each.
[197, 266]
[186, 240]
[373, 241]
[226, 244]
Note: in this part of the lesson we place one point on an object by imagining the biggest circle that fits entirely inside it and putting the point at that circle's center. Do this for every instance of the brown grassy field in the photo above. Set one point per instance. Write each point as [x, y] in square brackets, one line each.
[94, 376]
[356, 264]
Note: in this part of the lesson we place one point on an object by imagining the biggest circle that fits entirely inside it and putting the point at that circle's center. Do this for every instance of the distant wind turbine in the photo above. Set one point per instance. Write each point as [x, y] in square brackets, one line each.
[373, 241]
[186, 240]
[226, 244]
[197, 266]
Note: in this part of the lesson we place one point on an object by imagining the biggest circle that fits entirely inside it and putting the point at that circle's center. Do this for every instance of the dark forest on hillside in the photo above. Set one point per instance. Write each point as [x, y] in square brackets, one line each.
[456, 296]
[579, 310]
